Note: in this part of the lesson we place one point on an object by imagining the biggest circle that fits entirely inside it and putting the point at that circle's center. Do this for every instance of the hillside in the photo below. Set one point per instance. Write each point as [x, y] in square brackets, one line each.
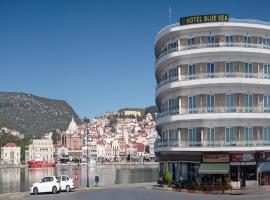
[31, 114]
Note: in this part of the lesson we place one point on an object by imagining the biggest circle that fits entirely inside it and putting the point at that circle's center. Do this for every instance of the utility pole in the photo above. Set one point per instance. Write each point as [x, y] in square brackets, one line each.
[87, 159]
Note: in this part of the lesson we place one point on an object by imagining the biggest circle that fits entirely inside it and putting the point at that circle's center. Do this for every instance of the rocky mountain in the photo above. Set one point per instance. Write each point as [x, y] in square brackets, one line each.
[31, 114]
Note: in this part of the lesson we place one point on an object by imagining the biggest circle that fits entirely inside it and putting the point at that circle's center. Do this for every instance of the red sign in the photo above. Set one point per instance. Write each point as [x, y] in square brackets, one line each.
[76, 176]
[237, 157]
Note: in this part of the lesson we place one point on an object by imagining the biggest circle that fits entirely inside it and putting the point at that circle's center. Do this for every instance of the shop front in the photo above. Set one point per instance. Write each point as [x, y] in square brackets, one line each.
[263, 168]
[243, 170]
[181, 167]
[214, 170]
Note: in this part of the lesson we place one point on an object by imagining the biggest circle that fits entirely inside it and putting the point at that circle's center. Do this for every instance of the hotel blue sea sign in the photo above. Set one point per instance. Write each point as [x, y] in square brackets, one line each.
[204, 19]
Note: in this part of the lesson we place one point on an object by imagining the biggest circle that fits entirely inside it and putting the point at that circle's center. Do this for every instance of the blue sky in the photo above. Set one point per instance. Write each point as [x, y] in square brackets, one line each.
[96, 55]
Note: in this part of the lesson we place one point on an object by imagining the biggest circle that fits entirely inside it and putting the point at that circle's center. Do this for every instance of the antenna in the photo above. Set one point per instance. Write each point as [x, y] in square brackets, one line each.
[170, 14]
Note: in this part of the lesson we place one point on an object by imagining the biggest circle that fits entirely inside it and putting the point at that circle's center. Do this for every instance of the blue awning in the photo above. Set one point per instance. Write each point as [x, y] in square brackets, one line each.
[264, 167]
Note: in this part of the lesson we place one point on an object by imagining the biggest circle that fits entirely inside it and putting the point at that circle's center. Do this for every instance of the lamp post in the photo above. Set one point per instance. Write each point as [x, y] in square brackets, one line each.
[259, 175]
[87, 160]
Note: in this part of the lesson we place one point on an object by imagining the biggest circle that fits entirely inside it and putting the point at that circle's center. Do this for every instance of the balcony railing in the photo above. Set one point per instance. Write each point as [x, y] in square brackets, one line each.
[184, 110]
[215, 143]
[211, 45]
[214, 75]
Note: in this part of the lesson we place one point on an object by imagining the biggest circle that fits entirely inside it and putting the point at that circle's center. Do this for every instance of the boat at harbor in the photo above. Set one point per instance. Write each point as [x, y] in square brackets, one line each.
[39, 163]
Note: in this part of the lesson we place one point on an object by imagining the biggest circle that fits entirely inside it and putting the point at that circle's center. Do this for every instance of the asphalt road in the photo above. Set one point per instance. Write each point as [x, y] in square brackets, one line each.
[141, 194]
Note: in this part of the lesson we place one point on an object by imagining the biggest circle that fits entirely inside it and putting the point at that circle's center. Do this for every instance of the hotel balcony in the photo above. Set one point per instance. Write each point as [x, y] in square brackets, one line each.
[226, 75]
[216, 109]
[217, 145]
[212, 45]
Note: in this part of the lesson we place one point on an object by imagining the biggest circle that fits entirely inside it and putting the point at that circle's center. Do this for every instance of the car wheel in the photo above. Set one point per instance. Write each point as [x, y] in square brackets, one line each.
[67, 188]
[54, 190]
[35, 191]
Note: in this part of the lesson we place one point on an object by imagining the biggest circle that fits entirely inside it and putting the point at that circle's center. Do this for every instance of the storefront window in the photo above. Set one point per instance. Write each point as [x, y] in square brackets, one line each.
[184, 171]
[161, 169]
[234, 173]
[251, 172]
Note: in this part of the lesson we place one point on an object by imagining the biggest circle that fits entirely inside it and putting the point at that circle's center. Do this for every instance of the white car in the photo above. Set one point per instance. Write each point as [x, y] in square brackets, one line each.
[46, 184]
[66, 183]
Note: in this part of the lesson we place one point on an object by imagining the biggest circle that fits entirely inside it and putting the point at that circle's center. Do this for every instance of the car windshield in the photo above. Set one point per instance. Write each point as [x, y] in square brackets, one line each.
[58, 178]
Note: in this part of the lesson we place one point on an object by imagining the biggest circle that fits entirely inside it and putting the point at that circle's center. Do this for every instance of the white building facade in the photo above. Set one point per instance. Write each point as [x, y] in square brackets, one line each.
[11, 154]
[213, 98]
[41, 149]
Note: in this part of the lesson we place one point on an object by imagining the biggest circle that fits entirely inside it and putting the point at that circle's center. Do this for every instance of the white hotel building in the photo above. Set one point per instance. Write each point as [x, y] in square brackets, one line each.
[213, 98]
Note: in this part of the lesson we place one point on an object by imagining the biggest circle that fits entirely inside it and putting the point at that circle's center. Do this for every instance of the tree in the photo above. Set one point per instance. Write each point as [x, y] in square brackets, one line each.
[168, 177]
[56, 136]
[86, 120]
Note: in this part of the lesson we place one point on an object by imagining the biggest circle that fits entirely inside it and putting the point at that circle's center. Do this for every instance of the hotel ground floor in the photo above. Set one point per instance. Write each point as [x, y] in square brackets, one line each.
[239, 169]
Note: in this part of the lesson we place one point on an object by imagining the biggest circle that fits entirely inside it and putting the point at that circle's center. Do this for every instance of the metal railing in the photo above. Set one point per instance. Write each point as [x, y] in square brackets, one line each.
[212, 45]
[184, 110]
[185, 77]
[214, 143]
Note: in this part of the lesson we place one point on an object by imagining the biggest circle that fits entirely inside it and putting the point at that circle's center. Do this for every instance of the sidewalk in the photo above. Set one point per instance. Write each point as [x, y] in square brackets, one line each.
[14, 196]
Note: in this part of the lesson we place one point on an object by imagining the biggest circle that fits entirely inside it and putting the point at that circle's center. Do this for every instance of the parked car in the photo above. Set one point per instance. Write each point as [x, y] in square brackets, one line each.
[66, 183]
[46, 184]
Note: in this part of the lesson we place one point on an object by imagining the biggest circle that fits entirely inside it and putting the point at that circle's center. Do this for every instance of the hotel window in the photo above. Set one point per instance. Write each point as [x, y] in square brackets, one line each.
[266, 71]
[211, 41]
[229, 40]
[210, 102]
[190, 43]
[230, 102]
[248, 102]
[191, 72]
[247, 41]
[265, 42]
[192, 137]
[229, 135]
[229, 69]
[192, 104]
[248, 70]
[248, 134]
[173, 73]
[266, 103]
[210, 70]
[174, 105]
[173, 134]
[173, 46]
[164, 138]
[266, 134]
[164, 77]
[210, 136]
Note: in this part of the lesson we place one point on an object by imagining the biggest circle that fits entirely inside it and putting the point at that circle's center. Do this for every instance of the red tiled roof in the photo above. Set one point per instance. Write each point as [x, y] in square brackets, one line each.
[10, 145]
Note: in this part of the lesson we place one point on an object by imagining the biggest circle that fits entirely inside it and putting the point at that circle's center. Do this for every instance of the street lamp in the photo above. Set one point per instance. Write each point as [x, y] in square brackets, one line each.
[87, 159]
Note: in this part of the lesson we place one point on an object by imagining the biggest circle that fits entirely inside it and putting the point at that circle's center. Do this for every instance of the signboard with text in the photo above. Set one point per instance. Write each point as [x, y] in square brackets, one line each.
[216, 158]
[242, 157]
[204, 19]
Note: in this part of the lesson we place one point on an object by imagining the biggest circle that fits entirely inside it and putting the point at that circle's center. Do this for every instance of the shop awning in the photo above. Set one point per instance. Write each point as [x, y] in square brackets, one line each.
[263, 167]
[214, 168]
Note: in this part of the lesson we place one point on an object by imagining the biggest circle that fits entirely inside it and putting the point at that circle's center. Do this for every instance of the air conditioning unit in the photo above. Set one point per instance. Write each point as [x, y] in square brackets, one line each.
[262, 155]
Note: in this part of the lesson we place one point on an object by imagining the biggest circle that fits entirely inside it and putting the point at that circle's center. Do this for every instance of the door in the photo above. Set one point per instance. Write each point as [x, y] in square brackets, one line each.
[248, 70]
[210, 70]
[210, 102]
[63, 182]
[211, 136]
[43, 185]
[230, 102]
[248, 102]
[229, 69]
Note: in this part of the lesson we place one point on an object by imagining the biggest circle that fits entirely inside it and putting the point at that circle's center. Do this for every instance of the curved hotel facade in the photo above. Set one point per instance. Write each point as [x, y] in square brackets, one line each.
[213, 100]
